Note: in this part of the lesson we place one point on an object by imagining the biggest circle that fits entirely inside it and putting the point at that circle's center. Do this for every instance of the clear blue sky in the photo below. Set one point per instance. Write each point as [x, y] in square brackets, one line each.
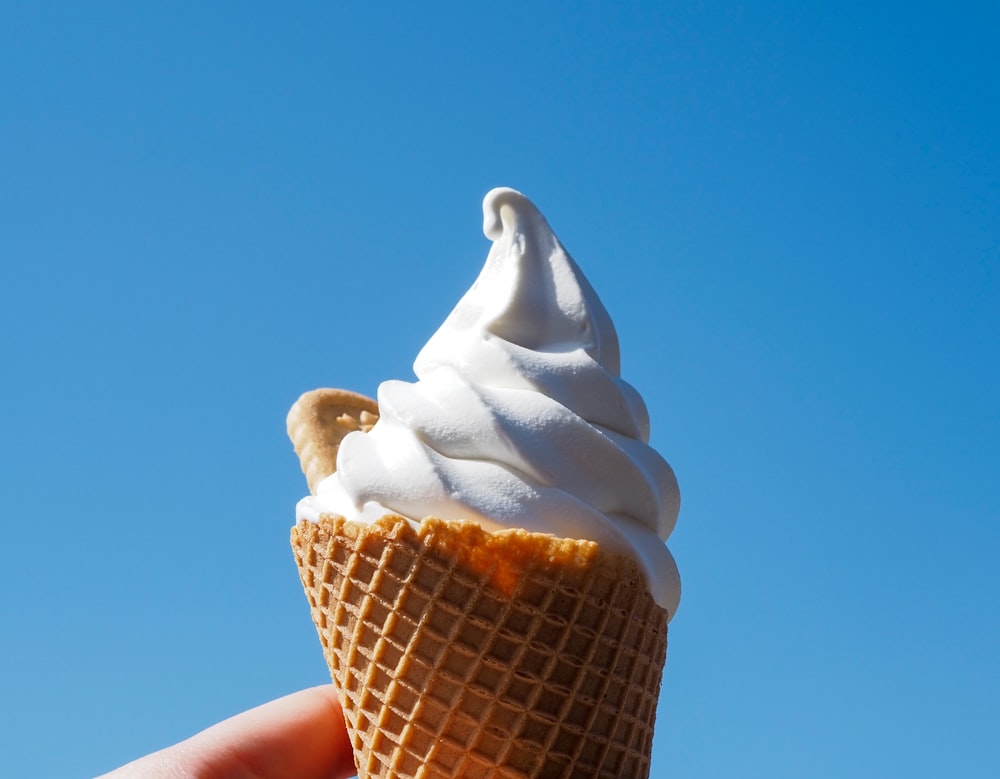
[791, 211]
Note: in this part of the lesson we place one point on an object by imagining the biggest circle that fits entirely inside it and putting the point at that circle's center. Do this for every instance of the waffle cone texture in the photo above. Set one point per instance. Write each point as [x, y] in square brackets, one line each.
[463, 653]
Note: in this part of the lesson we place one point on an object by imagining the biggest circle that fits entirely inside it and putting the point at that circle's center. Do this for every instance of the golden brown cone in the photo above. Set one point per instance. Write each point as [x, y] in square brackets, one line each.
[462, 653]
[318, 422]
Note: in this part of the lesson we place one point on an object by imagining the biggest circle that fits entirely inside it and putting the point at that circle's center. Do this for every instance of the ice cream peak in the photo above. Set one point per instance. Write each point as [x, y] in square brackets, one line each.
[519, 417]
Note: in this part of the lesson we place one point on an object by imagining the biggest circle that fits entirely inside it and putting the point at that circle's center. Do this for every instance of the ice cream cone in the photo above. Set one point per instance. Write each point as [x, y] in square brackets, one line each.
[488, 651]
[463, 653]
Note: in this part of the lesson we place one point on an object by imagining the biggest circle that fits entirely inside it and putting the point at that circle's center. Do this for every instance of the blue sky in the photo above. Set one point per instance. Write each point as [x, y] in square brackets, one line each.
[792, 213]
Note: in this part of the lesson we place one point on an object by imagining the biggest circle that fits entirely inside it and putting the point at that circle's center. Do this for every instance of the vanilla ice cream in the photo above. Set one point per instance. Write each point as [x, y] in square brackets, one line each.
[519, 418]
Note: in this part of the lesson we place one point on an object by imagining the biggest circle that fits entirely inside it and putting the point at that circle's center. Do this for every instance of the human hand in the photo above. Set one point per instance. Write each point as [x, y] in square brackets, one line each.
[300, 736]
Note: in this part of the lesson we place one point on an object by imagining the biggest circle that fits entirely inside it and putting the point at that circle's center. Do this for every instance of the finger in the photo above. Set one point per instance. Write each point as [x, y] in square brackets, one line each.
[300, 736]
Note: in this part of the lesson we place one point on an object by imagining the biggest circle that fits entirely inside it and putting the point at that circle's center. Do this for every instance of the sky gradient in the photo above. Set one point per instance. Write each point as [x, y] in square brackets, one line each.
[792, 214]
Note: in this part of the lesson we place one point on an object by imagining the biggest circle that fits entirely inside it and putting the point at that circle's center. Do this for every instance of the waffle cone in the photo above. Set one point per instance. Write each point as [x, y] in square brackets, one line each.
[462, 653]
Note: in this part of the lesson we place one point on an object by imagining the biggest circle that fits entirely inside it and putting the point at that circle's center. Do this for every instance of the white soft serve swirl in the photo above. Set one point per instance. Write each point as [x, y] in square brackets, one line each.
[519, 417]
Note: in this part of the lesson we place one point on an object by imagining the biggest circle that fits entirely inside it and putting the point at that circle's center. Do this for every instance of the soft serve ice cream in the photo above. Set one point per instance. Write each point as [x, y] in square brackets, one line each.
[519, 418]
